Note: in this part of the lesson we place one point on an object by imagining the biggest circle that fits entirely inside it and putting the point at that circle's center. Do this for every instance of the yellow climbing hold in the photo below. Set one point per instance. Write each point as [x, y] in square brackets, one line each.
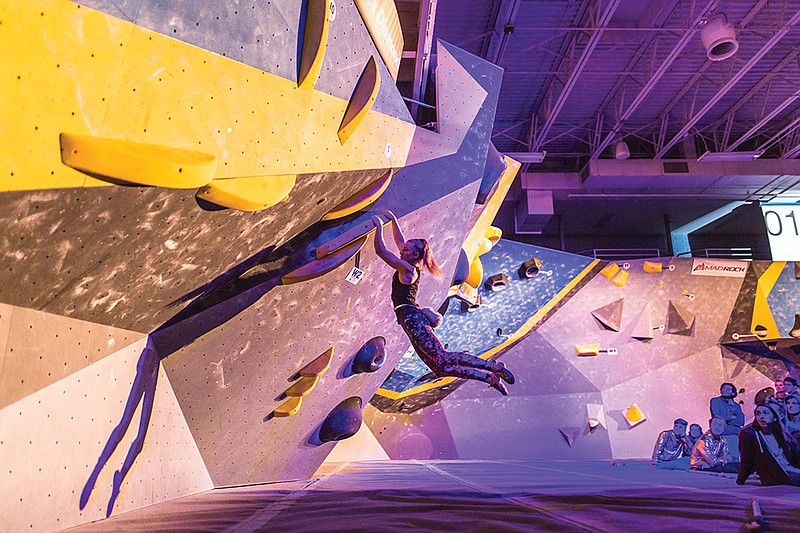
[363, 97]
[315, 41]
[138, 163]
[494, 234]
[366, 196]
[475, 277]
[620, 279]
[320, 267]
[248, 194]
[652, 267]
[634, 415]
[303, 386]
[587, 349]
[319, 365]
[610, 270]
[289, 407]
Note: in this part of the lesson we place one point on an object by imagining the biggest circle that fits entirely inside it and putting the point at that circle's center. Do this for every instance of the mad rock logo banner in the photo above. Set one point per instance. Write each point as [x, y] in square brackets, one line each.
[729, 268]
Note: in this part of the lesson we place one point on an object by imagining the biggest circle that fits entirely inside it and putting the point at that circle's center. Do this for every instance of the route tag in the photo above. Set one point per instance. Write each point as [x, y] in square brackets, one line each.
[354, 276]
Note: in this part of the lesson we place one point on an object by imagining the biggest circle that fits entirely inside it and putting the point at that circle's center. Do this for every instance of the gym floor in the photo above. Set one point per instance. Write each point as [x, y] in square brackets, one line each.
[477, 496]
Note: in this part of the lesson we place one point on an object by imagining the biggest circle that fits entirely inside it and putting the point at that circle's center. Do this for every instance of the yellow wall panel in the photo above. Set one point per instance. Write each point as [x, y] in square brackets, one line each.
[122, 81]
[490, 209]
[57, 74]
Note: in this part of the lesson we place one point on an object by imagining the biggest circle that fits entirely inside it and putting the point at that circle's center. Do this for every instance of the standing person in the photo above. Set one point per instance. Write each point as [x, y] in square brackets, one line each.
[711, 451]
[765, 448]
[672, 448]
[725, 407]
[414, 255]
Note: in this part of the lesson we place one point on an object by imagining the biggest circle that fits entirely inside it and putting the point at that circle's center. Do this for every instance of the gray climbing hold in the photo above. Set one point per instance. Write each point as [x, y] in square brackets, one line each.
[343, 421]
[496, 283]
[462, 269]
[530, 268]
[371, 356]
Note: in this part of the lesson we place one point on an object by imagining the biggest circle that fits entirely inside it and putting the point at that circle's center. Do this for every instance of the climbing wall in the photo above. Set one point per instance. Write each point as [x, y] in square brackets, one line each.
[300, 321]
[655, 334]
[52, 439]
[176, 184]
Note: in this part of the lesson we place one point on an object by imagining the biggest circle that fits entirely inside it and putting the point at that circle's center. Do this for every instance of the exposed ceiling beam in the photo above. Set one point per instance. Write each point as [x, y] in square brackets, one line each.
[422, 59]
[786, 129]
[761, 123]
[503, 23]
[748, 18]
[654, 79]
[583, 60]
[791, 154]
[771, 42]
[762, 83]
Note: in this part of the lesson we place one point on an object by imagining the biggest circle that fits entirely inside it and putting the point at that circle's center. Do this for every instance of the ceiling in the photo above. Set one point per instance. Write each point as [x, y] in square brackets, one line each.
[582, 75]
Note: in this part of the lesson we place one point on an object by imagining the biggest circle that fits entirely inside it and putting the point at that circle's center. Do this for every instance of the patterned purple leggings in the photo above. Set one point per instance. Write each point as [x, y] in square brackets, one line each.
[433, 354]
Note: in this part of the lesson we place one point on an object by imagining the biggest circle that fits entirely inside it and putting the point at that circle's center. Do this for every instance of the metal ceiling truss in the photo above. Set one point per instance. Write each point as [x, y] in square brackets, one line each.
[741, 72]
[653, 80]
[573, 71]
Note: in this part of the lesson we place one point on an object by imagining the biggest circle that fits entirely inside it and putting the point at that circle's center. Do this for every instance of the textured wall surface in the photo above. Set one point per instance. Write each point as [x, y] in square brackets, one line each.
[154, 327]
[668, 376]
[51, 440]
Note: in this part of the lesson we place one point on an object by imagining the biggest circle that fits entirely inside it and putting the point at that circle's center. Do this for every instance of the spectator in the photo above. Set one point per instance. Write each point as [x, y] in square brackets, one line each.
[725, 407]
[711, 452]
[790, 385]
[780, 389]
[764, 447]
[695, 432]
[780, 409]
[792, 403]
[672, 448]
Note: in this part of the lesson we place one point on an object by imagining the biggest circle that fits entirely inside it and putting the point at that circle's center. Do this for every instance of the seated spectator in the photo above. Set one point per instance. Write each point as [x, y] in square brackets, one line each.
[792, 403]
[711, 452]
[725, 407]
[765, 448]
[780, 409]
[672, 448]
[695, 432]
[790, 385]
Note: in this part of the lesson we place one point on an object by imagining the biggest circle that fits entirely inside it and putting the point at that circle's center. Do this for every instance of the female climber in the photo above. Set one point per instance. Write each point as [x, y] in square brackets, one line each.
[417, 323]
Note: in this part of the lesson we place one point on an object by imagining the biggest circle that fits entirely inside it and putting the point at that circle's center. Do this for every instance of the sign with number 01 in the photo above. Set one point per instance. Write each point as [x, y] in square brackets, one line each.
[783, 230]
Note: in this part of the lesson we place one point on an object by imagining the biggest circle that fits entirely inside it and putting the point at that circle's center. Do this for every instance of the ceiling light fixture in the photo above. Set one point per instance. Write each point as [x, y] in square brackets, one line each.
[527, 157]
[719, 38]
[621, 150]
[727, 157]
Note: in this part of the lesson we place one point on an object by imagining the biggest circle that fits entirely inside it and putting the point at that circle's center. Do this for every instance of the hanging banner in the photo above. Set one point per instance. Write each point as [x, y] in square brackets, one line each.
[383, 24]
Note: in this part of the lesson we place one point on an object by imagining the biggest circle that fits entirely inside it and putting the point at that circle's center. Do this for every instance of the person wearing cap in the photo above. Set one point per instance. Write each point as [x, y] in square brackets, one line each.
[672, 448]
[711, 451]
[766, 449]
[725, 407]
